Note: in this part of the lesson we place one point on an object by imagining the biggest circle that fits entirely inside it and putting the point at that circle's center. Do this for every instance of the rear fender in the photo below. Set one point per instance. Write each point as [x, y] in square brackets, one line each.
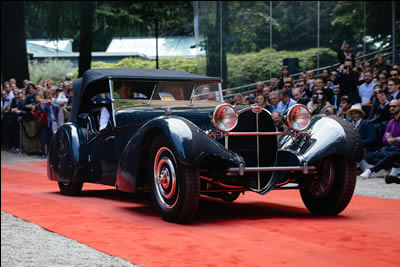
[188, 142]
[66, 155]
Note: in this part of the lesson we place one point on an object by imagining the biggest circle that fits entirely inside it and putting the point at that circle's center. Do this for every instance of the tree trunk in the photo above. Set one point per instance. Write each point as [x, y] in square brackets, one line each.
[85, 43]
[14, 61]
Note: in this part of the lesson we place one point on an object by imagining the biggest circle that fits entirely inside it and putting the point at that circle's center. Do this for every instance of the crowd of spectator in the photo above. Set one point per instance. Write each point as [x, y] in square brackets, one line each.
[368, 96]
[31, 115]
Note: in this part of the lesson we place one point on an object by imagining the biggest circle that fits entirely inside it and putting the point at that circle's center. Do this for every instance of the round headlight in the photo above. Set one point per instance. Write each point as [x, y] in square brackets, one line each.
[225, 117]
[298, 117]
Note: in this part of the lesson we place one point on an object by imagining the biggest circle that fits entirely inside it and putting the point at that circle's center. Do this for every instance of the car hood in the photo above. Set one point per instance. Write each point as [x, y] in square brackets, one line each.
[200, 116]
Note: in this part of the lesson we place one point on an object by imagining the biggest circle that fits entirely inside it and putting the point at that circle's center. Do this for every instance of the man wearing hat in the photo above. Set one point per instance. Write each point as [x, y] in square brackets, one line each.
[366, 129]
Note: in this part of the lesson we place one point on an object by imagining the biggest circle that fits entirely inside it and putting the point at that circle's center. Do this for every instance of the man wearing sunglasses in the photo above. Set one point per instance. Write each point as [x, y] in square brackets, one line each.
[394, 73]
[286, 101]
[382, 80]
[390, 141]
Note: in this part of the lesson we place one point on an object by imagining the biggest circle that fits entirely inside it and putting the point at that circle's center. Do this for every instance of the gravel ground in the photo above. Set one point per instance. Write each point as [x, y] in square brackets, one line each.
[26, 244]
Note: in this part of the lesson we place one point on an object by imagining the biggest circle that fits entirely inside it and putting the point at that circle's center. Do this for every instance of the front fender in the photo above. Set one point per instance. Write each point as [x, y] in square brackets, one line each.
[188, 142]
[328, 135]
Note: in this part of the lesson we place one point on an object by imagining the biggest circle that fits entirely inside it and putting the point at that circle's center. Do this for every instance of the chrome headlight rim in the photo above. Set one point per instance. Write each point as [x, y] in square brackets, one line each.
[287, 116]
[214, 119]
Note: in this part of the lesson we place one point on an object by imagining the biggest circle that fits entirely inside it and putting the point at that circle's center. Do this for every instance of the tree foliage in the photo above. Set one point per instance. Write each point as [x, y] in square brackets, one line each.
[60, 19]
[52, 69]
[378, 19]
[245, 26]
[257, 66]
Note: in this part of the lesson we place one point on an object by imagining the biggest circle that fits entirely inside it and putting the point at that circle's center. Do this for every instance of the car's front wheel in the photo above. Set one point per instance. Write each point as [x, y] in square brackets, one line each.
[331, 191]
[175, 187]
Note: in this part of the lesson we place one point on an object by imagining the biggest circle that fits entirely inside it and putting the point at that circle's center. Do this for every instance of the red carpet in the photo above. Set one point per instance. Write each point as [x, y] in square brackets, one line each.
[269, 230]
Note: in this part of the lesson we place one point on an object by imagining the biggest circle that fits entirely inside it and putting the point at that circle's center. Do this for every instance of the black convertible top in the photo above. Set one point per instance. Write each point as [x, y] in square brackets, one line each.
[98, 78]
[93, 75]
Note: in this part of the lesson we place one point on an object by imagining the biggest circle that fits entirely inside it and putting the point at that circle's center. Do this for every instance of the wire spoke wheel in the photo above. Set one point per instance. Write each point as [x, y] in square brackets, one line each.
[326, 176]
[331, 192]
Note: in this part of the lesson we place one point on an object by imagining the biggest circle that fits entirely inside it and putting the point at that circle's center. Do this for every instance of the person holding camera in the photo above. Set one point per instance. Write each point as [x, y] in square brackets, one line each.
[348, 81]
[30, 126]
[319, 103]
[345, 53]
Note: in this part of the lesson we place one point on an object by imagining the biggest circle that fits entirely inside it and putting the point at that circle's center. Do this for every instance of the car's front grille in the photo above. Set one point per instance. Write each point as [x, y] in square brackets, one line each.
[258, 151]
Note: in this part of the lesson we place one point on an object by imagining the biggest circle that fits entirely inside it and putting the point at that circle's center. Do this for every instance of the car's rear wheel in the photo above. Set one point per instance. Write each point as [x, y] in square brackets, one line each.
[225, 196]
[333, 189]
[63, 162]
[70, 189]
[230, 196]
[175, 187]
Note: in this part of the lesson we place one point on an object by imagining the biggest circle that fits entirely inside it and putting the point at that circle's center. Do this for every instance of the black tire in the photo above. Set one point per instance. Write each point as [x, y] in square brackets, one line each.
[225, 196]
[175, 187]
[230, 196]
[64, 163]
[332, 191]
[70, 189]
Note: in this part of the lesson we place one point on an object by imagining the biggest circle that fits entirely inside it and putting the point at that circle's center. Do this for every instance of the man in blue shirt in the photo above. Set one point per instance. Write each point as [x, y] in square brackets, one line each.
[286, 101]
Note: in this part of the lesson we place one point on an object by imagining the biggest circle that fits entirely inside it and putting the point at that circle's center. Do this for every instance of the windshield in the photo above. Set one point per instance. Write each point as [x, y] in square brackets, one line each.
[164, 93]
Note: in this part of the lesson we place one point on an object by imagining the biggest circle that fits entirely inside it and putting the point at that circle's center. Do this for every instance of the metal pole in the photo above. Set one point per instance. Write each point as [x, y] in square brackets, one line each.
[196, 32]
[393, 32]
[220, 38]
[365, 25]
[270, 33]
[318, 37]
[157, 66]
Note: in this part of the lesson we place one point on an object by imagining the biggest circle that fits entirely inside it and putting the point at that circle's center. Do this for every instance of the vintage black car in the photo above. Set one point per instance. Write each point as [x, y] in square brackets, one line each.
[171, 133]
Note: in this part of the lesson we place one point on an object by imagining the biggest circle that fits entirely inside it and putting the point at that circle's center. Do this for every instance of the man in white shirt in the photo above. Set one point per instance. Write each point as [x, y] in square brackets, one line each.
[7, 100]
[61, 100]
[366, 90]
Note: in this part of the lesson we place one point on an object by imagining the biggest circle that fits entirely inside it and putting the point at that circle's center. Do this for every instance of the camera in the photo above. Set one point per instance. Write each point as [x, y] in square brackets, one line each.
[346, 67]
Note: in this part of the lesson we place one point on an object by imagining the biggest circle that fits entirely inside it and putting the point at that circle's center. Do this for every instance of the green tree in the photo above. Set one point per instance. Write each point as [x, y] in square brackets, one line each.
[378, 20]
[57, 19]
[140, 18]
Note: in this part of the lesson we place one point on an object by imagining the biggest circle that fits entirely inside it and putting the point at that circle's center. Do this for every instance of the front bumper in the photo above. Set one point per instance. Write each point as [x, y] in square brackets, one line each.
[241, 169]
